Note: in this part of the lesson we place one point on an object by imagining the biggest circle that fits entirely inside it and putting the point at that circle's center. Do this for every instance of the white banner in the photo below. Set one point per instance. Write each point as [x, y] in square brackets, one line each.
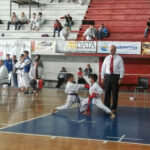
[122, 47]
[14, 47]
[43, 47]
[77, 47]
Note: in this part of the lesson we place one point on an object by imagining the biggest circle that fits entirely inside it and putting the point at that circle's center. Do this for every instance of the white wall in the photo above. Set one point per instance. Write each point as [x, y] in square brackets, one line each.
[53, 64]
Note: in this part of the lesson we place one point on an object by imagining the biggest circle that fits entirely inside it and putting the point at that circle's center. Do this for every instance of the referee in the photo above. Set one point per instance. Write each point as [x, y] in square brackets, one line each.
[112, 73]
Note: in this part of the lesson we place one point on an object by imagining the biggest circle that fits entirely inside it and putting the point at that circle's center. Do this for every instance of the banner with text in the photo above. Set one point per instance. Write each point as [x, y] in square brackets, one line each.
[43, 47]
[146, 48]
[122, 47]
[80, 47]
[14, 47]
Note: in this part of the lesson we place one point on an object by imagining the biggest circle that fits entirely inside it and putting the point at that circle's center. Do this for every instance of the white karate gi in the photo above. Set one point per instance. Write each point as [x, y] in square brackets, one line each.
[95, 88]
[25, 75]
[19, 74]
[70, 89]
[3, 75]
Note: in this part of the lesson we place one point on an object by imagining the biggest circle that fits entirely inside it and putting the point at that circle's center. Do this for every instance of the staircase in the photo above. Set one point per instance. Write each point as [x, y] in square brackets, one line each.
[125, 19]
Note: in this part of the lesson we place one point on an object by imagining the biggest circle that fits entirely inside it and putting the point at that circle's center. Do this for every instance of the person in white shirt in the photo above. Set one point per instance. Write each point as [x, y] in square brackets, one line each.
[23, 20]
[19, 72]
[40, 21]
[71, 89]
[112, 73]
[3, 73]
[33, 22]
[35, 73]
[95, 93]
[90, 33]
[64, 34]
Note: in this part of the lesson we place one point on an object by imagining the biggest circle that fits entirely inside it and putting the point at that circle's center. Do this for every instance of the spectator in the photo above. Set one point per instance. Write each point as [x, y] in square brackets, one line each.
[69, 21]
[19, 72]
[3, 73]
[14, 21]
[90, 33]
[14, 75]
[38, 58]
[61, 77]
[57, 27]
[65, 33]
[39, 21]
[25, 66]
[103, 32]
[147, 28]
[8, 63]
[81, 80]
[23, 20]
[88, 70]
[35, 73]
[33, 22]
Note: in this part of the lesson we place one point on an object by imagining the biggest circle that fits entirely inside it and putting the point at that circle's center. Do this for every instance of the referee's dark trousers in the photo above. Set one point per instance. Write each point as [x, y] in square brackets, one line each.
[111, 87]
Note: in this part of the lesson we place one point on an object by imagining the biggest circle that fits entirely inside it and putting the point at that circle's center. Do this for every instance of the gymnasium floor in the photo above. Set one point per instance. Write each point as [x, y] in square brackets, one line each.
[26, 124]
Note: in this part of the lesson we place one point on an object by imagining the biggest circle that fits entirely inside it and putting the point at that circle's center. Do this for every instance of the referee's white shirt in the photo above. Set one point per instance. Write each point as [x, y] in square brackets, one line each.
[118, 66]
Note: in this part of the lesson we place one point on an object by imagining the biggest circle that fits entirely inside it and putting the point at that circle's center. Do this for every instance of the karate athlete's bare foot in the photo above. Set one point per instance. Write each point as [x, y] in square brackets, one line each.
[85, 113]
[53, 111]
[112, 115]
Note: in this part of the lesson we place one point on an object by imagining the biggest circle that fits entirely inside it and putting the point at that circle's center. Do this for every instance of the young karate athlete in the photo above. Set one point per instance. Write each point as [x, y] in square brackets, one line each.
[95, 92]
[71, 89]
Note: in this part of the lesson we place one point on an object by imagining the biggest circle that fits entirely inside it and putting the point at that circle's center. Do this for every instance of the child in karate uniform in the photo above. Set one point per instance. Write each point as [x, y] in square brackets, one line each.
[71, 90]
[95, 92]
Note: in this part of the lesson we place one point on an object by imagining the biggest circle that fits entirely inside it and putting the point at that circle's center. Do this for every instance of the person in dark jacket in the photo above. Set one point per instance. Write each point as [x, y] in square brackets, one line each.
[88, 70]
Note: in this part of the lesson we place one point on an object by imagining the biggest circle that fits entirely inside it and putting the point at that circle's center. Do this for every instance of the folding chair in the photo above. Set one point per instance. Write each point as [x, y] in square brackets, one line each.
[142, 85]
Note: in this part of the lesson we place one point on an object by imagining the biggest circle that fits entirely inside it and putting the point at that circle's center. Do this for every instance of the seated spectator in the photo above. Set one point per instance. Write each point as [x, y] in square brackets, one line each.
[103, 32]
[39, 21]
[35, 73]
[57, 27]
[147, 28]
[61, 77]
[65, 33]
[8, 63]
[1, 21]
[81, 80]
[90, 33]
[14, 75]
[33, 22]
[23, 20]
[38, 58]
[88, 70]
[3, 73]
[13, 21]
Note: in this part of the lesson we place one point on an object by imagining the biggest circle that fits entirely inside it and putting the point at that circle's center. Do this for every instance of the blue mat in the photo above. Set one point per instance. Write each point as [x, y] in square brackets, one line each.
[130, 125]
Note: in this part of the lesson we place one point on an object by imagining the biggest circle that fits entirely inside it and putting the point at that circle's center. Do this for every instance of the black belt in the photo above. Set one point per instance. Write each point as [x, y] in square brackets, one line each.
[77, 97]
[116, 75]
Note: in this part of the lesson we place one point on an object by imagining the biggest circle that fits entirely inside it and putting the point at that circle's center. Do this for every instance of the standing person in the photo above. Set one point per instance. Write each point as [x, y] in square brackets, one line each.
[23, 20]
[80, 75]
[65, 33]
[57, 27]
[8, 63]
[88, 70]
[38, 57]
[33, 22]
[14, 81]
[19, 72]
[147, 28]
[61, 77]
[35, 73]
[112, 73]
[25, 65]
[14, 21]
[3, 73]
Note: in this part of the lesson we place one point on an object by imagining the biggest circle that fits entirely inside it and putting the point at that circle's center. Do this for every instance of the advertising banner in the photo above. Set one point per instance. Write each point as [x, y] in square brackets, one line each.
[43, 47]
[146, 48]
[79, 47]
[122, 47]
